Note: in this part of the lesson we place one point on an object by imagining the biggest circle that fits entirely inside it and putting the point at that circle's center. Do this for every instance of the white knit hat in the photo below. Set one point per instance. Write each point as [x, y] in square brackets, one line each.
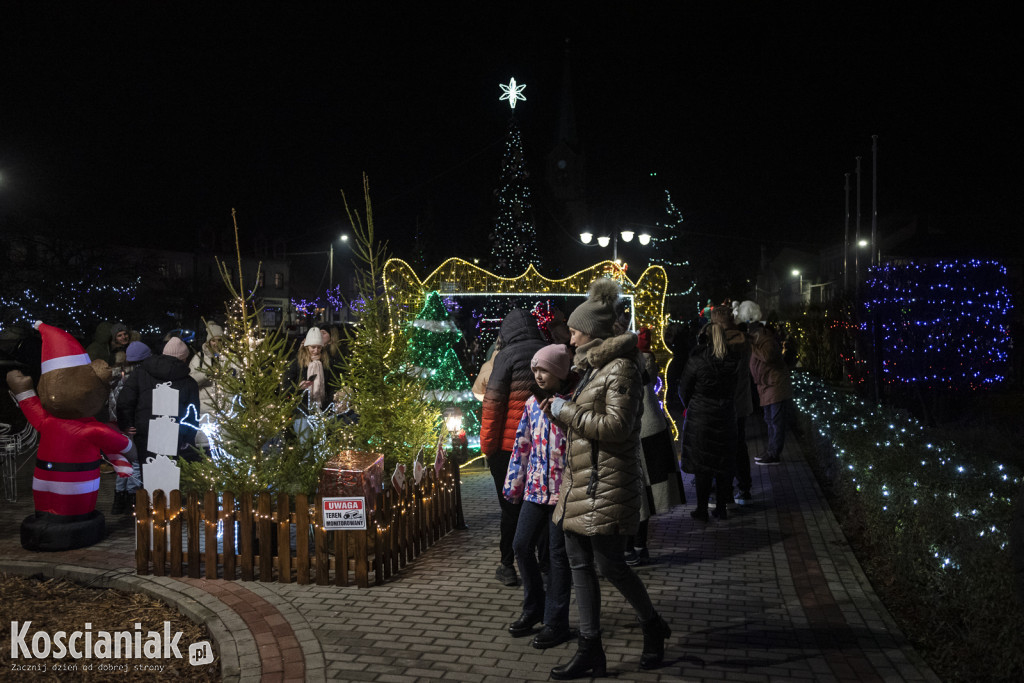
[313, 337]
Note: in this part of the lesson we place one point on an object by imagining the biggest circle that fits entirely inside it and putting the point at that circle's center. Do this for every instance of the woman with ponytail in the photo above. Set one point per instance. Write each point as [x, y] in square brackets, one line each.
[708, 390]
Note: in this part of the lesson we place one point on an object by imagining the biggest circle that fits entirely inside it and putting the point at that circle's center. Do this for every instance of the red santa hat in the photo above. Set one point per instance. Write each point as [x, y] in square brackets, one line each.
[60, 349]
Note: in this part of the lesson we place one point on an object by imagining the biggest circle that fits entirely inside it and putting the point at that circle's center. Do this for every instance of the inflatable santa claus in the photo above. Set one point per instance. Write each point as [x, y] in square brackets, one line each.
[72, 443]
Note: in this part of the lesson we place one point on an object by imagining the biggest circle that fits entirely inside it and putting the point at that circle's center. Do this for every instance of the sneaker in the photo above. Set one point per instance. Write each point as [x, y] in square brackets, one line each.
[743, 498]
[720, 513]
[506, 575]
[699, 515]
[768, 460]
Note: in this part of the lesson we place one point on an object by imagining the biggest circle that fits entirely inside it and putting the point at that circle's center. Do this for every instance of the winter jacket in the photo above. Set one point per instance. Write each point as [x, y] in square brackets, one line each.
[535, 468]
[480, 383]
[654, 417]
[744, 397]
[135, 402]
[509, 385]
[708, 390]
[294, 374]
[602, 422]
[770, 372]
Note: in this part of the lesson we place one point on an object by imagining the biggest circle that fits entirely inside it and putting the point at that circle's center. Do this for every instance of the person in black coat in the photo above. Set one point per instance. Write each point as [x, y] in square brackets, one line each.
[708, 389]
[508, 389]
[135, 402]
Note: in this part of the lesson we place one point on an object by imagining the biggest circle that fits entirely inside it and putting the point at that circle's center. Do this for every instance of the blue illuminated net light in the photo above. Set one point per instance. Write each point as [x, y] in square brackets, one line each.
[940, 324]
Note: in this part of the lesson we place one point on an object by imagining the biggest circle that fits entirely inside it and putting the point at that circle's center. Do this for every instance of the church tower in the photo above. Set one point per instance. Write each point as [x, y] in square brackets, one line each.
[566, 163]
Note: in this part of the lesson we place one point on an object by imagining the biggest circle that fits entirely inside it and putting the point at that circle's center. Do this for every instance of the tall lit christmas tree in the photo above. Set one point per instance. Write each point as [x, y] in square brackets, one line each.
[682, 298]
[432, 353]
[514, 239]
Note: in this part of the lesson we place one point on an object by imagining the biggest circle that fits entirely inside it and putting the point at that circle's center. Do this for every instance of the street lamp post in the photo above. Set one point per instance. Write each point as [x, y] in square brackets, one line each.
[330, 268]
[330, 278]
[453, 422]
[798, 274]
[605, 240]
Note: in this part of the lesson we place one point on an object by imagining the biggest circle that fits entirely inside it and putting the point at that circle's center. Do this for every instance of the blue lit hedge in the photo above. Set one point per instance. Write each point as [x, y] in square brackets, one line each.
[941, 324]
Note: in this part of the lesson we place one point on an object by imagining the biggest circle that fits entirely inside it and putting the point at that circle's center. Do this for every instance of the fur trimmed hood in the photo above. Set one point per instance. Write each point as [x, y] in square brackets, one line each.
[600, 352]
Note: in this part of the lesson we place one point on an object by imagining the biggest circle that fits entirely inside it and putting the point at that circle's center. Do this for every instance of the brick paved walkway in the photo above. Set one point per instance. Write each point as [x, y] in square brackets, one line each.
[773, 593]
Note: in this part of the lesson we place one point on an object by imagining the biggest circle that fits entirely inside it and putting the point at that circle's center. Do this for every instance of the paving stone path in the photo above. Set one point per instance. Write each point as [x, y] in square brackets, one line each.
[773, 593]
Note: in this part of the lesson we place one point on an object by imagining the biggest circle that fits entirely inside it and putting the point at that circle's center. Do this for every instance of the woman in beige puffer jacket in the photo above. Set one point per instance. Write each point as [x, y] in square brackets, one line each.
[599, 503]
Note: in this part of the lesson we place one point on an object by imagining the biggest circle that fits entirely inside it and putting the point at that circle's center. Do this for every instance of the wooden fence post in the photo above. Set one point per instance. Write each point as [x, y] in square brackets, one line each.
[284, 539]
[210, 518]
[176, 516]
[301, 539]
[383, 513]
[159, 532]
[228, 504]
[266, 535]
[320, 544]
[245, 529]
[141, 532]
[192, 521]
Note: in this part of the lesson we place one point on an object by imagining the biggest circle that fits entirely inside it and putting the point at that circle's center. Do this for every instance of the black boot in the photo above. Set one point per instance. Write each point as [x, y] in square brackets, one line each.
[589, 661]
[120, 502]
[655, 633]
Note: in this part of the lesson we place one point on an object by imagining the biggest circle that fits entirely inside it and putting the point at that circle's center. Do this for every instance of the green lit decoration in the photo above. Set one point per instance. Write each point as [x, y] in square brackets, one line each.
[432, 339]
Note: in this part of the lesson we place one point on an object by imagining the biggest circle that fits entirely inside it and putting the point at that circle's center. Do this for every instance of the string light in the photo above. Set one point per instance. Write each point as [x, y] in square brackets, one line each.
[909, 475]
[458, 279]
[941, 324]
[514, 238]
[432, 354]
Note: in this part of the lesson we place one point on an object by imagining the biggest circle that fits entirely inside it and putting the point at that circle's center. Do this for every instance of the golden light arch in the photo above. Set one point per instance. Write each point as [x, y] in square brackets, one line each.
[405, 292]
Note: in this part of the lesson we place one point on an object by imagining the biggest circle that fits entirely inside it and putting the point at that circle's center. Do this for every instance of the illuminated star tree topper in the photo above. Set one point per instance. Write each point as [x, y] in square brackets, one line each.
[512, 92]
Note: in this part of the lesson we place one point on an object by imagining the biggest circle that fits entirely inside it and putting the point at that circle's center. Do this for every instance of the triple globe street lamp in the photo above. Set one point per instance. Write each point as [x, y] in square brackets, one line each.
[643, 238]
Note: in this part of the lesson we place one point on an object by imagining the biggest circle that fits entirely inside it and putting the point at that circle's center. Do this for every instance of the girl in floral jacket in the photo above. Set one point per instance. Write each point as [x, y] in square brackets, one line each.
[535, 477]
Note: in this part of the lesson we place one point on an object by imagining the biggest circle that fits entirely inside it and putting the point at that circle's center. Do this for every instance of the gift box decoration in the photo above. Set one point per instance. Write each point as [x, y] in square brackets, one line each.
[353, 473]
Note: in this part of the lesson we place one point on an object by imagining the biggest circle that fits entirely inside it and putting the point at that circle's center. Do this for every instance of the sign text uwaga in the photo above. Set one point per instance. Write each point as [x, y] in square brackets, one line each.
[344, 513]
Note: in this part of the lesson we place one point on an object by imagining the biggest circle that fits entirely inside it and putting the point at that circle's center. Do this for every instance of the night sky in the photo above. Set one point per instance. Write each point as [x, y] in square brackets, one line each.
[146, 123]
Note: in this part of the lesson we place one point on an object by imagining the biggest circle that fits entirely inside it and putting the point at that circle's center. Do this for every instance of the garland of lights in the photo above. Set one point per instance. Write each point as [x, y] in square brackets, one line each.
[940, 324]
[75, 302]
[459, 278]
[888, 460]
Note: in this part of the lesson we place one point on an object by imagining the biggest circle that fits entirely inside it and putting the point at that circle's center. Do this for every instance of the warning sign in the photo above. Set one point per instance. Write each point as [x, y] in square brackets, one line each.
[344, 513]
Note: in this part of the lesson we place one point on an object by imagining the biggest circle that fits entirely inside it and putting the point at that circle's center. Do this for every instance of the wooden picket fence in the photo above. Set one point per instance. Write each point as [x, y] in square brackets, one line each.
[400, 526]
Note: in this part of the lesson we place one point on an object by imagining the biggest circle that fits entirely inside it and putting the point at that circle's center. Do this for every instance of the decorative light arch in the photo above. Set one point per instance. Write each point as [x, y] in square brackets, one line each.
[458, 277]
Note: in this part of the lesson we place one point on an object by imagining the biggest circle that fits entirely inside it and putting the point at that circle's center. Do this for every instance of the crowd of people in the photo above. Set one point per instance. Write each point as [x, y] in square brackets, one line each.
[577, 443]
[139, 370]
[582, 455]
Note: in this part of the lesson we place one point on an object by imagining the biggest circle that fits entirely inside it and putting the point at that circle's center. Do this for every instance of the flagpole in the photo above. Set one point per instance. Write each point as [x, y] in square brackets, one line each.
[846, 237]
[874, 200]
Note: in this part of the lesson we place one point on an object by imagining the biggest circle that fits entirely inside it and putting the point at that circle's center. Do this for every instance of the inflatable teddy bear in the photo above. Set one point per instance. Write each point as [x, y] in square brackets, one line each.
[66, 479]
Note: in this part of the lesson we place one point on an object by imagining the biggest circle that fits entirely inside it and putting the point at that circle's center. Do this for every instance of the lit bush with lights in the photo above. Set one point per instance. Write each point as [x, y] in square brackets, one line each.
[936, 515]
[940, 324]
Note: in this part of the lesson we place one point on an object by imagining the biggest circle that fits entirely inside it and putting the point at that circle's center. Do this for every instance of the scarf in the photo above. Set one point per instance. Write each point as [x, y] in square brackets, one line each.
[316, 372]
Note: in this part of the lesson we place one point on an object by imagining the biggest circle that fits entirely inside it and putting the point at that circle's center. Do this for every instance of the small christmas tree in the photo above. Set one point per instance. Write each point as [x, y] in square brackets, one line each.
[251, 444]
[393, 417]
[432, 354]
